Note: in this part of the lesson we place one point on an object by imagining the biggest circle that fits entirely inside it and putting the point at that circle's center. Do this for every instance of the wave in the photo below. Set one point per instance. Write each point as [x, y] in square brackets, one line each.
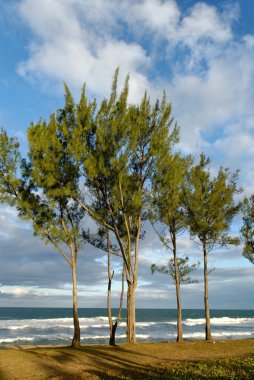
[20, 324]
[102, 322]
[17, 339]
[222, 321]
[61, 338]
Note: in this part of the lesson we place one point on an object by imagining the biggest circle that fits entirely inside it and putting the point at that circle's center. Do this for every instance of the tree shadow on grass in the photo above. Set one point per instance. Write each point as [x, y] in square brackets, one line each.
[89, 362]
[125, 363]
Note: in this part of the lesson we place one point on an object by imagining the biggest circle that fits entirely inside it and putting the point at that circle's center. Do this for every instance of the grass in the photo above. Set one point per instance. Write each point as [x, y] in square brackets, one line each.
[188, 360]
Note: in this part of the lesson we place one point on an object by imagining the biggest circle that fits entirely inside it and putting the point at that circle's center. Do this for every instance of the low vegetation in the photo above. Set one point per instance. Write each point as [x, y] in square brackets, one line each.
[186, 360]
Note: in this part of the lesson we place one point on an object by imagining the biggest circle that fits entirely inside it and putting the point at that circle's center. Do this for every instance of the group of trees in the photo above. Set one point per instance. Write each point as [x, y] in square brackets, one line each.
[117, 164]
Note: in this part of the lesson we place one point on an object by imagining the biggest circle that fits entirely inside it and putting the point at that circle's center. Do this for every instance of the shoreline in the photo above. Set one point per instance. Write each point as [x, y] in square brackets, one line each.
[187, 341]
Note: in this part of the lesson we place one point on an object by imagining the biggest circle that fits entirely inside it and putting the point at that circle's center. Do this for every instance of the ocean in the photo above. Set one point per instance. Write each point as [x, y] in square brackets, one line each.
[39, 326]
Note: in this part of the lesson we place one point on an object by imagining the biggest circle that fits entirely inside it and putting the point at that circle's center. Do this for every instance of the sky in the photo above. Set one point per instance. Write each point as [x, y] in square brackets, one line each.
[201, 54]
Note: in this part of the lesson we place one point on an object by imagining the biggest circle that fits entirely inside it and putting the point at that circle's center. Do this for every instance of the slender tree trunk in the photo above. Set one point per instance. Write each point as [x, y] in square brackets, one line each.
[76, 336]
[131, 313]
[112, 340]
[178, 295]
[110, 277]
[113, 326]
[208, 335]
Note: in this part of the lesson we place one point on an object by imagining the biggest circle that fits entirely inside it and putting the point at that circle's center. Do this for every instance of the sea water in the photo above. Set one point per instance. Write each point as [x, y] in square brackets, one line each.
[39, 326]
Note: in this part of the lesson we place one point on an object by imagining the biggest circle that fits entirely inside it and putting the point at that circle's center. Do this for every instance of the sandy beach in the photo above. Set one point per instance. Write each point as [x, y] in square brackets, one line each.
[190, 360]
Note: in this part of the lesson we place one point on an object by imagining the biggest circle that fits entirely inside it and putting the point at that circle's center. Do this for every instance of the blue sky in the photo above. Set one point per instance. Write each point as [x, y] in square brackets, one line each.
[200, 53]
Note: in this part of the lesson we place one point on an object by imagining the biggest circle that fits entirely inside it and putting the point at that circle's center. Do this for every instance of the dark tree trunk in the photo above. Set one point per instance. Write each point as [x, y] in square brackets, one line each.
[208, 335]
[112, 337]
[131, 314]
[178, 295]
[76, 336]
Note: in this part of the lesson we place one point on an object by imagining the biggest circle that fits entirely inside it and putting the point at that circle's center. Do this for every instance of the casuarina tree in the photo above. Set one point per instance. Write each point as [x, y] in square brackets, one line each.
[39, 189]
[167, 215]
[210, 207]
[57, 217]
[117, 146]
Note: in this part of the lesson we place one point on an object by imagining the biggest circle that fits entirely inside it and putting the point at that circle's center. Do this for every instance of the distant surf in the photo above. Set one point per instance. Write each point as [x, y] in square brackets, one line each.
[54, 326]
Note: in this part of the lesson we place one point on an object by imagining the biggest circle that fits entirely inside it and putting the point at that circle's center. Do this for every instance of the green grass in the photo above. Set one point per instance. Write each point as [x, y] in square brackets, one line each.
[146, 361]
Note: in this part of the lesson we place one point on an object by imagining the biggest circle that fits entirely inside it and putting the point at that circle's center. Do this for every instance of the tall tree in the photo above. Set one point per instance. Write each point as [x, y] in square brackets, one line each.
[117, 147]
[58, 224]
[182, 276]
[167, 217]
[56, 176]
[39, 190]
[210, 207]
[247, 230]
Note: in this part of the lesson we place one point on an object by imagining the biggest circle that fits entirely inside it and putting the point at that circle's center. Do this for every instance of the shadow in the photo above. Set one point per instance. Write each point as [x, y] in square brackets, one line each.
[130, 362]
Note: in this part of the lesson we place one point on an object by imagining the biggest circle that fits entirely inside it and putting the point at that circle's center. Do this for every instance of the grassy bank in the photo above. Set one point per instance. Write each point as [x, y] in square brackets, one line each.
[188, 360]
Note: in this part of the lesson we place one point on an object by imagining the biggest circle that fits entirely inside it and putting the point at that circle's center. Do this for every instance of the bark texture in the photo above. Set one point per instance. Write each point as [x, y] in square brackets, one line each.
[131, 314]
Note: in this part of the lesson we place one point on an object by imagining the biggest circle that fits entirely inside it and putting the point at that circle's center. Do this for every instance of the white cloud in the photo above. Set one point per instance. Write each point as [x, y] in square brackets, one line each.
[204, 22]
[161, 17]
[69, 48]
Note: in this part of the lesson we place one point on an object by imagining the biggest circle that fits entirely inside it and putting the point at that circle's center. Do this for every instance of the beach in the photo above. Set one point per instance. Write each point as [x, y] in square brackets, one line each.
[187, 360]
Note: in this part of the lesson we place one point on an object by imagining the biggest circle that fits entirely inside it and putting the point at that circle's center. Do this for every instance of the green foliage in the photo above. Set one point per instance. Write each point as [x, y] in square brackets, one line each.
[183, 267]
[117, 147]
[168, 182]
[49, 180]
[210, 204]
[9, 166]
[247, 230]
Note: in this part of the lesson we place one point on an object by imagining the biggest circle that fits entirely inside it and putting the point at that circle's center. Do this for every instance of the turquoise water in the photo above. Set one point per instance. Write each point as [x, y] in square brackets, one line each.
[54, 325]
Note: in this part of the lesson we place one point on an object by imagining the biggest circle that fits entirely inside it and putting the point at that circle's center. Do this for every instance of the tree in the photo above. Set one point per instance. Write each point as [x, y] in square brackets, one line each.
[9, 165]
[55, 175]
[168, 218]
[210, 208]
[39, 190]
[247, 230]
[58, 224]
[117, 147]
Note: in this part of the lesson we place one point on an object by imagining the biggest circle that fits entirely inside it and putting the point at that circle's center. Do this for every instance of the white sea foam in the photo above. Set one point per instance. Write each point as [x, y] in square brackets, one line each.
[146, 324]
[12, 340]
[121, 336]
[19, 324]
[62, 337]
[223, 321]
[102, 322]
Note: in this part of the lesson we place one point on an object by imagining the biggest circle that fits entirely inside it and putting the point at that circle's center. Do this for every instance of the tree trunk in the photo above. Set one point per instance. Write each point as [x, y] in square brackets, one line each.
[76, 336]
[208, 335]
[178, 295]
[131, 313]
[112, 337]
[113, 326]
